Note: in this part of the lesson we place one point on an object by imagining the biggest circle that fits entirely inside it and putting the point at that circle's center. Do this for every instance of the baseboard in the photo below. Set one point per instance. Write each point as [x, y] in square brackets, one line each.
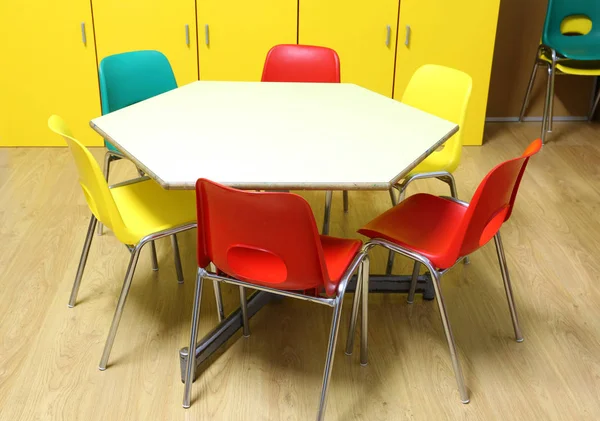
[530, 119]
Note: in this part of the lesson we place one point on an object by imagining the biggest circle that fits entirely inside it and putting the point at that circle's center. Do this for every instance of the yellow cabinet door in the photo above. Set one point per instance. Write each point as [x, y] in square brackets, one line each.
[235, 36]
[166, 26]
[47, 66]
[362, 33]
[458, 34]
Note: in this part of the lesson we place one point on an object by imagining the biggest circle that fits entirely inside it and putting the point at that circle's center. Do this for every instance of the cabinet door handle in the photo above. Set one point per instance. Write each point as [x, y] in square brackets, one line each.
[187, 35]
[388, 36]
[83, 37]
[206, 37]
[407, 37]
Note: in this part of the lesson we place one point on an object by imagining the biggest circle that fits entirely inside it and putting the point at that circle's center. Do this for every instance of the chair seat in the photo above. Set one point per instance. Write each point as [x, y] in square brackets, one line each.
[147, 208]
[422, 223]
[439, 160]
[576, 67]
[338, 253]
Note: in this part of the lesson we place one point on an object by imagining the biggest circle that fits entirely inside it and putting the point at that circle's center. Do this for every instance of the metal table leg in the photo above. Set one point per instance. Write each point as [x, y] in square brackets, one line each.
[228, 327]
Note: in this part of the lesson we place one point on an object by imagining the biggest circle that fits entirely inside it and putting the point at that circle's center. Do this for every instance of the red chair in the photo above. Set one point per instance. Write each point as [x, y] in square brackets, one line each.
[305, 63]
[440, 231]
[269, 242]
[301, 63]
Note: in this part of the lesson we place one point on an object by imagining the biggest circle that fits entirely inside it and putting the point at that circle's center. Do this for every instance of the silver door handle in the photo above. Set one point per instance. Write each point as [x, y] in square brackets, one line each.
[388, 36]
[83, 37]
[206, 37]
[187, 35]
[407, 37]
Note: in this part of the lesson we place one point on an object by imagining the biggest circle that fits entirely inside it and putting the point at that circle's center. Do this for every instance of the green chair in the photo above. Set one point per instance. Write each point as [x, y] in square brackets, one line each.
[570, 45]
[126, 79]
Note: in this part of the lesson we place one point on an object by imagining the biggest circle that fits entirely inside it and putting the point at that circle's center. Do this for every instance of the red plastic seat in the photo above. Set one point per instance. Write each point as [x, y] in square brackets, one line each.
[305, 63]
[438, 232]
[269, 241]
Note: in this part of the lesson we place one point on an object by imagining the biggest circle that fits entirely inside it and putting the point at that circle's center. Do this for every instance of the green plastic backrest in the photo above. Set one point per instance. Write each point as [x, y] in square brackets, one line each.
[565, 18]
[131, 77]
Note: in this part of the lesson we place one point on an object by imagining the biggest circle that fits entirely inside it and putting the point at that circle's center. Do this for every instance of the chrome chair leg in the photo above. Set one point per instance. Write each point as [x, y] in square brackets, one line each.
[390, 263]
[154, 256]
[413, 283]
[546, 126]
[335, 324]
[219, 300]
[464, 396]
[177, 258]
[82, 261]
[550, 119]
[107, 160]
[345, 194]
[135, 254]
[594, 107]
[448, 178]
[328, 197]
[244, 306]
[508, 287]
[529, 89]
[191, 361]
[364, 318]
[354, 315]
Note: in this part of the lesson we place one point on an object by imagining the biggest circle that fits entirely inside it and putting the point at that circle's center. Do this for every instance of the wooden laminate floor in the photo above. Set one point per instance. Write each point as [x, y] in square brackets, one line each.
[49, 353]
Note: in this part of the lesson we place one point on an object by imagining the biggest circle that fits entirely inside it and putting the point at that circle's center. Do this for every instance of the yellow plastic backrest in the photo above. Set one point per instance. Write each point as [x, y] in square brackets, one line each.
[95, 188]
[444, 92]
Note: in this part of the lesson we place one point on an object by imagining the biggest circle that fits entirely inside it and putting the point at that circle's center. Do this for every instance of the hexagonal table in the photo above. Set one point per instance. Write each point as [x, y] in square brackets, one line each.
[266, 136]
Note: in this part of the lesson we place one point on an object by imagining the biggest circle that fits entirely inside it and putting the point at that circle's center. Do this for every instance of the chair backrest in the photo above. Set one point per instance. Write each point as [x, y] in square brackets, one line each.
[131, 77]
[96, 191]
[444, 92]
[492, 202]
[265, 238]
[301, 63]
[565, 18]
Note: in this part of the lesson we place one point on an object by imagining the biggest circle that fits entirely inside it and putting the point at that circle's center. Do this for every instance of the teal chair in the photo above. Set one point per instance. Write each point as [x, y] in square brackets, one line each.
[126, 79]
[570, 45]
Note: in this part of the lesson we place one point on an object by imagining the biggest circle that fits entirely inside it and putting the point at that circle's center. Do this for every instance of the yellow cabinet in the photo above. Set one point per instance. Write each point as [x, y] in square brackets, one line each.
[166, 26]
[362, 33]
[48, 66]
[234, 37]
[458, 34]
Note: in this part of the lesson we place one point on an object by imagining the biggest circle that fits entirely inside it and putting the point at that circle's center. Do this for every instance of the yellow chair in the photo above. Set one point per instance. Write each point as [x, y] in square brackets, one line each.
[443, 92]
[138, 211]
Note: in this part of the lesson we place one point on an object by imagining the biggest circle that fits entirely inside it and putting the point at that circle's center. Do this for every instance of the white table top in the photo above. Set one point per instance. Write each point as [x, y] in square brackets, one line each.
[258, 135]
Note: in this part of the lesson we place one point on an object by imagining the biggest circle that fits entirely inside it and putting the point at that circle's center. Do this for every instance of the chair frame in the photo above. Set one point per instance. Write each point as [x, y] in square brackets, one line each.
[360, 263]
[555, 58]
[134, 250]
[437, 276]
[115, 156]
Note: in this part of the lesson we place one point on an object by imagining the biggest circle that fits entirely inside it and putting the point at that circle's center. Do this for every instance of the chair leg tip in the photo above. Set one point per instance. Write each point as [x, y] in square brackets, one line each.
[519, 340]
[101, 368]
[465, 401]
[180, 282]
[364, 364]
[70, 305]
[186, 406]
[410, 301]
[348, 353]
